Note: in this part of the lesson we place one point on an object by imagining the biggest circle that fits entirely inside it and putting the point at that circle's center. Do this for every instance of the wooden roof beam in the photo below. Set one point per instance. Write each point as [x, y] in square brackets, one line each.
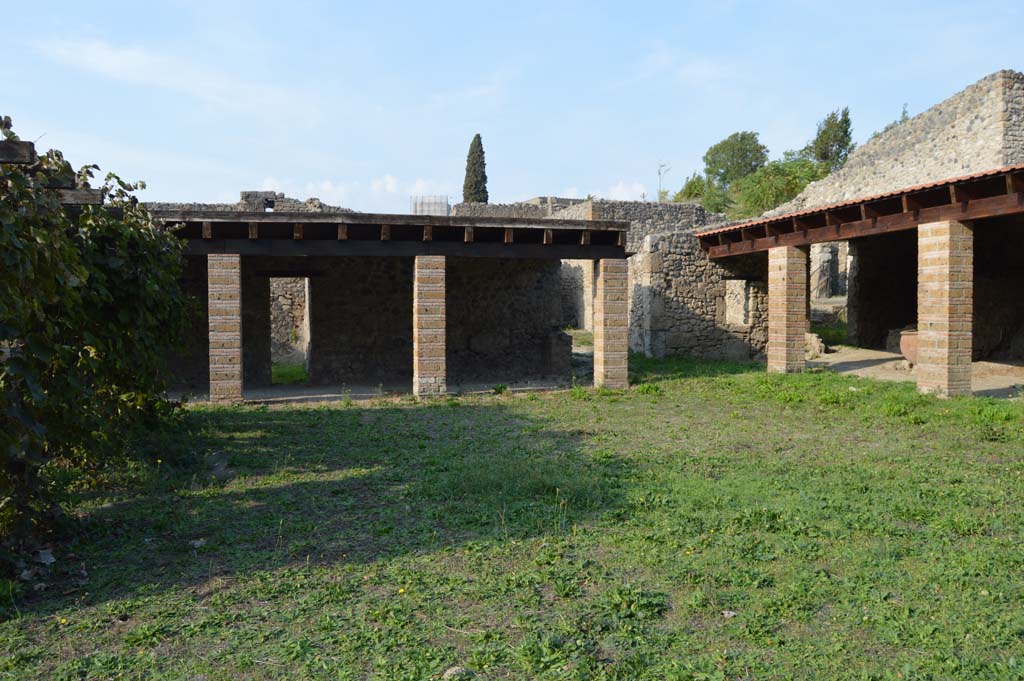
[986, 207]
[81, 197]
[17, 152]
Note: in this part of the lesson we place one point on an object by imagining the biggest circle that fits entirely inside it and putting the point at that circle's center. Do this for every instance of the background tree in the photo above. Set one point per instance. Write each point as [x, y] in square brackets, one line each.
[834, 140]
[774, 184]
[735, 157]
[904, 117]
[474, 188]
[693, 189]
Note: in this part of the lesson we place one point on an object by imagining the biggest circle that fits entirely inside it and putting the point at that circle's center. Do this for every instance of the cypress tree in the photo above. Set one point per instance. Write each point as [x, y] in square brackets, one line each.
[474, 189]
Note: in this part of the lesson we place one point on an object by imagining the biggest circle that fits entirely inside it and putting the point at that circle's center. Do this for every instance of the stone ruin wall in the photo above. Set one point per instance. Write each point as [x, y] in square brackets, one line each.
[505, 321]
[289, 321]
[499, 210]
[535, 208]
[681, 302]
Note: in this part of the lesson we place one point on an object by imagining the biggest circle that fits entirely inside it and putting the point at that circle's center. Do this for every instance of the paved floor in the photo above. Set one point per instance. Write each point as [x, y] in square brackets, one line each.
[989, 379]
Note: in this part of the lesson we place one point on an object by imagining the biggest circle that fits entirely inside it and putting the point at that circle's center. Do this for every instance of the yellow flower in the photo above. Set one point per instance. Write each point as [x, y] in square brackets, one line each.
[401, 591]
[63, 620]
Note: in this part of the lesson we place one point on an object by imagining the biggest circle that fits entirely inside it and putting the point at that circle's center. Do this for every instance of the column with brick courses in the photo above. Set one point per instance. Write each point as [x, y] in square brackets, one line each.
[429, 369]
[945, 306]
[787, 308]
[224, 279]
[611, 325]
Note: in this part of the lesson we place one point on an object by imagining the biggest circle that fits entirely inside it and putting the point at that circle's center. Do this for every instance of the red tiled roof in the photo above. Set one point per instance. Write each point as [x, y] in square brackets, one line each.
[854, 202]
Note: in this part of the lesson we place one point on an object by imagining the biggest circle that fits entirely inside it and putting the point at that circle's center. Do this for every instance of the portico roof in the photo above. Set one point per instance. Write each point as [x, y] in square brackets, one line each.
[378, 234]
[971, 197]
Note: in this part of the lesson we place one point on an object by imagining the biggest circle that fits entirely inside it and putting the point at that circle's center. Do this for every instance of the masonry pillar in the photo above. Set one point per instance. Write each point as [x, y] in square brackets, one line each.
[611, 325]
[224, 281]
[429, 368]
[787, 308]
[945, 306]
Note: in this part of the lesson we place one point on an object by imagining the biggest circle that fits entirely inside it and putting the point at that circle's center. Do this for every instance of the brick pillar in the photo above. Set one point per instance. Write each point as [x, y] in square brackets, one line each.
[611, 325]
[787, 309]
[224, 280]
[429, 369]
[945, 305]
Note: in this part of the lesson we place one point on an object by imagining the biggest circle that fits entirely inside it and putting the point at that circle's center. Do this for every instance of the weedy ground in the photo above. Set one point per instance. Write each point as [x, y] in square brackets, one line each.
[288, 372]
[713, 522]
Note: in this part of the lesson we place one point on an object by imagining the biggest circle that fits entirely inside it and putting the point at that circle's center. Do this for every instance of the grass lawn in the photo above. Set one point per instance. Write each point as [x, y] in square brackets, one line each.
[714, 522]
[831, 334]
[284, 372]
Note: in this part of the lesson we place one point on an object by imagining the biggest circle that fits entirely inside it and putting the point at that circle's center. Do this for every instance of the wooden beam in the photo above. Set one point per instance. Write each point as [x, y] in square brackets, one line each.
[467, 235]
[428, 233]
[297, 231]
[254, 230]
[977, 209]
[207, 229]
[375, 247]
[342, 232]
[385, 232]
[509, 235]
[621, 240]
[1014, 183]
[549, 237]
[584, 238]
[81, 197]
[17, 152]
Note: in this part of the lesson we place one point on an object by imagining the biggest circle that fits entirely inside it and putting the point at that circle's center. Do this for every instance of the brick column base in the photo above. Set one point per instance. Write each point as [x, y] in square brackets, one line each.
[787, 309]
[429, 368]
[611, 325]
[224, 281]
[945, 307]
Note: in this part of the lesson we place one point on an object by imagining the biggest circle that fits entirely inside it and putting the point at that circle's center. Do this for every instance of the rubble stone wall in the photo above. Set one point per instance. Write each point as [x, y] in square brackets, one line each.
[679, 301]
[289, 323]
[505, 320]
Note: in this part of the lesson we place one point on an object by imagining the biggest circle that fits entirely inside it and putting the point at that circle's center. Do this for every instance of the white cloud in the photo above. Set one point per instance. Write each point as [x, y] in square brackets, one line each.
[142, 66]
[388, 184]
[627, 191]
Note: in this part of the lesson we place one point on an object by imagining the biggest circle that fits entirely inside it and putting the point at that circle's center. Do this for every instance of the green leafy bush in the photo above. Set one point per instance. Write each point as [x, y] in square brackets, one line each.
[90, 309]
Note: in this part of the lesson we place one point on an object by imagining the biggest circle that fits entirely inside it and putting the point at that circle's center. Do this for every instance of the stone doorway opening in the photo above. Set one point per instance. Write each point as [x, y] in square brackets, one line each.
[290, 330]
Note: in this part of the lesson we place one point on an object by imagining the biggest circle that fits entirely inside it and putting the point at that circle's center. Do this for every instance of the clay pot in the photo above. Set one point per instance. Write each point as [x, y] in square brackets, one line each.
[908, 345]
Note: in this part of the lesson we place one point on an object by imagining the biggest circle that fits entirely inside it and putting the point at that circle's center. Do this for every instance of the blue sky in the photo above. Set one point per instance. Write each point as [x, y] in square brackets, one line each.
[363, 104]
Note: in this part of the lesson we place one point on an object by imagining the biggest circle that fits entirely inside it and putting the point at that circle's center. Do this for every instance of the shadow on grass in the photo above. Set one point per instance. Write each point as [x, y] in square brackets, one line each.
[649, 369]
[336, 485]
